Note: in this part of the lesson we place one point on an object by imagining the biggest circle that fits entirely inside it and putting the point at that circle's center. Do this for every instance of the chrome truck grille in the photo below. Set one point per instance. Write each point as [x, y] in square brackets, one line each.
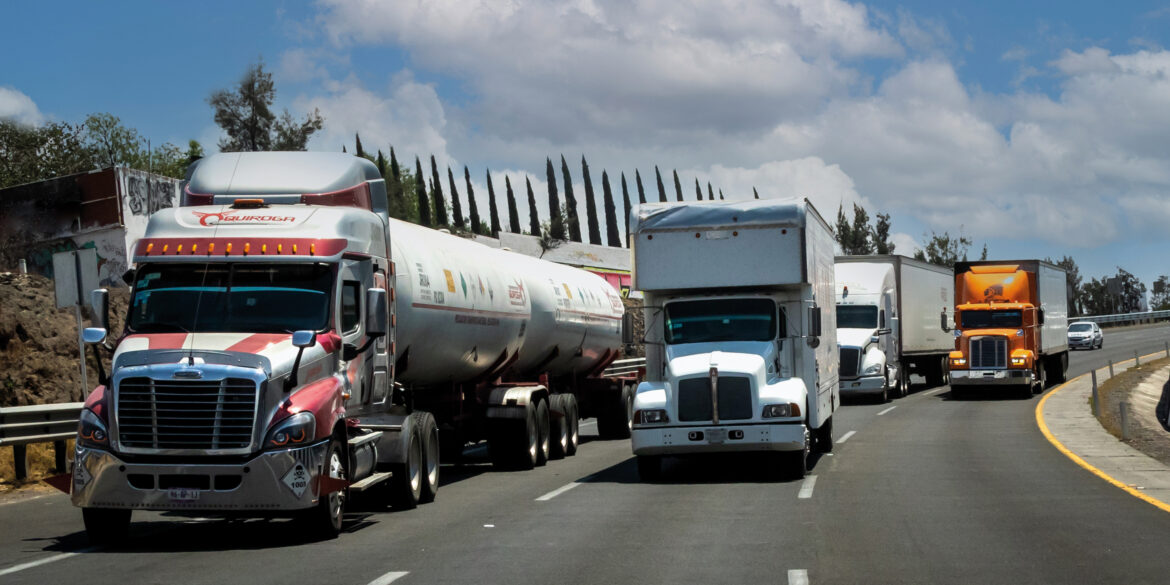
[989, 352]
[850, 362]
[186, 414]
[735, 399]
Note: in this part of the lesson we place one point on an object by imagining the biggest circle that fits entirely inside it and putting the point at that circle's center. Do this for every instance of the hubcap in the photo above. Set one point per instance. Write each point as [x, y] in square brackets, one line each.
[433, 461]
[336, 471]
[415, 467]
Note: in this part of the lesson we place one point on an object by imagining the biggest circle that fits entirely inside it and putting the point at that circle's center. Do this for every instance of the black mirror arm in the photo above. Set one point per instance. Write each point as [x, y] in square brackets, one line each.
[348, 351]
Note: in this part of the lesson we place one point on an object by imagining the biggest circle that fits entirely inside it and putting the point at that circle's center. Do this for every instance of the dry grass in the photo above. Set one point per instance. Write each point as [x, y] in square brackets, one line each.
[1116, 389]
[40, 465]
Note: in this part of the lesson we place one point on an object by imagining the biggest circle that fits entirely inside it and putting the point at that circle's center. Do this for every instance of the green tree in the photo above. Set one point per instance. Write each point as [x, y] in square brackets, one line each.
[476, 224]
[590, 206]
[556, 225]
[245, 115]
[533, 217]
[710, 192]
[1073, 280]
[35, 153]
[661, 187]
[626, 205]
[945, 250]
[613, 238]
[394, 189]
[641, 191]
[754, 192]
[677, 186]
[881, 235]
[456, 207]
[420, 192]
[492, 208]
[513, 211]
[437, 196]
[571, 219]
[1160, 299]
[357, 146]
[113, 144]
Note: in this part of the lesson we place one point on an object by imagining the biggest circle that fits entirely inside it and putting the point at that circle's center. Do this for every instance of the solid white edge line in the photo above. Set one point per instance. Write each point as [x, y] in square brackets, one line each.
[558, 491]
[587, 424]
[390, 577]
[846, 436]
[806, 487]
[932, 392]
[44, 561]
[797, 577]
[886, 410]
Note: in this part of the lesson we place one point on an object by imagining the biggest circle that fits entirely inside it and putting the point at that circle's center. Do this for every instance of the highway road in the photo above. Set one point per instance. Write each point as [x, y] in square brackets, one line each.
[919, 490]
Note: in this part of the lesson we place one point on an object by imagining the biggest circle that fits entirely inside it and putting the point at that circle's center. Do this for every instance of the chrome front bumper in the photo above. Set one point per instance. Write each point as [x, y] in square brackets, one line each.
[991, 377]
[866, 385]
[267, 483]
[677, 440]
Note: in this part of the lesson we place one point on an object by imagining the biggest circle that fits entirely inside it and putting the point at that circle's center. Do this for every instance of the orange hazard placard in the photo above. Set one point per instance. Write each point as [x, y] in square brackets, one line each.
[450, 280]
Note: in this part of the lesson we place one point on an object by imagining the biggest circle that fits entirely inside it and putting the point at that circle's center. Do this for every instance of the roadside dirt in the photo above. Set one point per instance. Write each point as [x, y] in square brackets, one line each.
[1139, 387]
[638, 321]
[38, 342]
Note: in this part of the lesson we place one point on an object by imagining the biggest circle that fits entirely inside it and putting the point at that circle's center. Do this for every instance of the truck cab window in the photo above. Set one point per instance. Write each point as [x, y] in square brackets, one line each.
[721, 320]
[857, 316]
[350, 306]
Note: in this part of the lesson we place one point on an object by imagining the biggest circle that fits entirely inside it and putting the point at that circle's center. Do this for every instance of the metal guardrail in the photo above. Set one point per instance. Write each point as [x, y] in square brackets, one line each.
[1146, 317]
[22, 425]
[624, 367]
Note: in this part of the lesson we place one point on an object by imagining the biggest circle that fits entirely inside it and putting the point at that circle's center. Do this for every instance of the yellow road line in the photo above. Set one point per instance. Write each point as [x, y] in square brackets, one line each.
[1076, 458]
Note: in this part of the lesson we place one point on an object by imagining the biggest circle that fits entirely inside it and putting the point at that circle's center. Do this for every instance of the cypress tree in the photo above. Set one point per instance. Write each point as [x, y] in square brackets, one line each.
[698, 190]
[754, 192]
[612, 237]
[343, 150]
[626, 201]
[641, 191]
[590, 206]
[556, 218]
[571, 219]
[677, 186]
[721, 194]
[533, 217]
[471, 206]
[358, 145]
[420, 191]
[661, 188]
[455, 205]
[380, 162]
[513, 213]
[437, 195]
[495, 214]
[394, 188]
[710, 192]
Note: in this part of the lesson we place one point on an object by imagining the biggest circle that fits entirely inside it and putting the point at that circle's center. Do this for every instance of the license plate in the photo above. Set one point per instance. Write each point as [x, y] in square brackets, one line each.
[183, 494]
[716, 436]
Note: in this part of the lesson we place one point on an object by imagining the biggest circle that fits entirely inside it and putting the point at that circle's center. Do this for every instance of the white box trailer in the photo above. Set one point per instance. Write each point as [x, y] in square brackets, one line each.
[893, 320]
[741, 349]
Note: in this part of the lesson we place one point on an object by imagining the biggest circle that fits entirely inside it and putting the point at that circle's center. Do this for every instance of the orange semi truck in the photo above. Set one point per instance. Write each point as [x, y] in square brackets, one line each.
[1011, 318]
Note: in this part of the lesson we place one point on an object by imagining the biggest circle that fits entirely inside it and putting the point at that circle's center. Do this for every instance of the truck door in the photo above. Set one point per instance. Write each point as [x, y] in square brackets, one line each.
[354, 279]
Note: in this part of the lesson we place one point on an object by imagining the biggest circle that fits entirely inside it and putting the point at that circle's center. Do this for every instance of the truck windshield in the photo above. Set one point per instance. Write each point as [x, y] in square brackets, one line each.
[253, 298]
[721, 320]
[857, 316]
[992, 319]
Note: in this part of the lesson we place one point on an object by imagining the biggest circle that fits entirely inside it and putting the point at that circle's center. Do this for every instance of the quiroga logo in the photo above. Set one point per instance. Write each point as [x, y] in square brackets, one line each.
[210, 219]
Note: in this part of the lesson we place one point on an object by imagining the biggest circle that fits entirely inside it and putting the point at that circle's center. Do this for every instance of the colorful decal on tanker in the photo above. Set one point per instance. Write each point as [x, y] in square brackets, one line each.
[450, 280]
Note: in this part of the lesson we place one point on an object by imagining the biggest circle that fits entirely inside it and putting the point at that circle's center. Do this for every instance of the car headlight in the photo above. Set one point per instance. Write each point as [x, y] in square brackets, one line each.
[91, 430]
[958, 361]
[651, 416]
[781, 410]
[298, 429]
[1019, 332]
[872, 369]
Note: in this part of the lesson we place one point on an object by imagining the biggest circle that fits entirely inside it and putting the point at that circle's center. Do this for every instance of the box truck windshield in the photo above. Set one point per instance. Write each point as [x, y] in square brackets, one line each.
[231, 297]
[857, 316]
[992, 319]
[721, 320]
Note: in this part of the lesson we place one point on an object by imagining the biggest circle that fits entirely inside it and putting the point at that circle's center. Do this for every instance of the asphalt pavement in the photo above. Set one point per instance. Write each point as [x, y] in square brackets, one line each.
[924, 489]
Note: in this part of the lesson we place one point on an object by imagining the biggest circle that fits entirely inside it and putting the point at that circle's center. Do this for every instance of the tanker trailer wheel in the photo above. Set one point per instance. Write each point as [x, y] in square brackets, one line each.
[543, 441]
[572, 415]
[429, 431]
[324, 520]
[406, 485]
[514, 443]
[105, 525]
[558, 427]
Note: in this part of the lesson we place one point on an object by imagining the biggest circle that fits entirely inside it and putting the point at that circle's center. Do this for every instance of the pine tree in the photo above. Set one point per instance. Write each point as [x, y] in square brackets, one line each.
[677, 186]
[533, 217]
[590, 206]
[358, 146]
[556, 218]
[420, 191]
[380, 162]
[394, 188]
[343, 150]
[661, 188]
[437, 195]
[495, 214]
[471, 206]
[513, 213]
[721, 194]
[710, 192]
[571, 219]
[641, 191]
[611, 229]
[456, 207]
[698, 190]
[754, 192]
[628, 207]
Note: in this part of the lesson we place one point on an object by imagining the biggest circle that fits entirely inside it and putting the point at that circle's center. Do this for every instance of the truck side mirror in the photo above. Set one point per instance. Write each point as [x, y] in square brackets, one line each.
[814, 322]
[300, 339]
[377, 317]
[1040, 316]
[99, 301]
[627, 328]
[942, 319]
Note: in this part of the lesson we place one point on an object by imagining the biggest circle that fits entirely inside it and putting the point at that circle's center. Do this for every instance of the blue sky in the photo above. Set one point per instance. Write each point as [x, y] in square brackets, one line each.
[1031, 126]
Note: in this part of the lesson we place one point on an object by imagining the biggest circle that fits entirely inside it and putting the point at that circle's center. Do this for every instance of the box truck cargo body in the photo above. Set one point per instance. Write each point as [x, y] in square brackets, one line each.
[893, 320]
[741, 353]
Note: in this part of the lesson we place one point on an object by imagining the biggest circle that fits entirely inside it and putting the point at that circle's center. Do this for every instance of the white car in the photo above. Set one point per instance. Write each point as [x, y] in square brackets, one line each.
[1085, 334]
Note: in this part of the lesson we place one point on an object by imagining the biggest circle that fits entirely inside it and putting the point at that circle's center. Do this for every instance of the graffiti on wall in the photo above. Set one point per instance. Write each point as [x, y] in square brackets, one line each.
[111, 258]
[146, 194]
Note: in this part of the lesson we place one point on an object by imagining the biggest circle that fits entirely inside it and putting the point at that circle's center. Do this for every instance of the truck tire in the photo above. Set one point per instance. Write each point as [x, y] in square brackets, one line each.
[558, 427]
[542, 432]
[617, 417]
[406, 484]
[574, 419]
[649, 467]
[106, 526]
[429, 432]
[513, 444]
[797, 464]
[324, 520]
[823, 437]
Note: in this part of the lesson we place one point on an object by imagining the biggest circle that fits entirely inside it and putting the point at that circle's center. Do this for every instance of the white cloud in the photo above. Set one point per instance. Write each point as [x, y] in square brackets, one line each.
[17, 106]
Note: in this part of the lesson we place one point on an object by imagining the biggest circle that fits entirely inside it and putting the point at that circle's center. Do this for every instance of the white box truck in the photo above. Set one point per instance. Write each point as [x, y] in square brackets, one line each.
[893, 320]
[741, 349]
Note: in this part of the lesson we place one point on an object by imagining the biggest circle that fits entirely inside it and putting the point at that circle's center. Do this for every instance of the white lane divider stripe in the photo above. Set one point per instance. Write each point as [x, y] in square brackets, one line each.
[44, 561]
[846, 436]
[797, 577]
[886, 410]
[390, 577]
[558, 491]
[933, 392]
[806, 488]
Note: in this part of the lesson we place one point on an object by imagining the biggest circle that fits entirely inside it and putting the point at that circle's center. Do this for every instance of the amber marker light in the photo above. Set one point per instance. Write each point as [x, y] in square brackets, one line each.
[210, 247]
[263, 248]
[280, 248]
[229, 248]
[294, 248]
[194, 248]
[150, 247]
[165, 246]
[247, 247]
[313, 249]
